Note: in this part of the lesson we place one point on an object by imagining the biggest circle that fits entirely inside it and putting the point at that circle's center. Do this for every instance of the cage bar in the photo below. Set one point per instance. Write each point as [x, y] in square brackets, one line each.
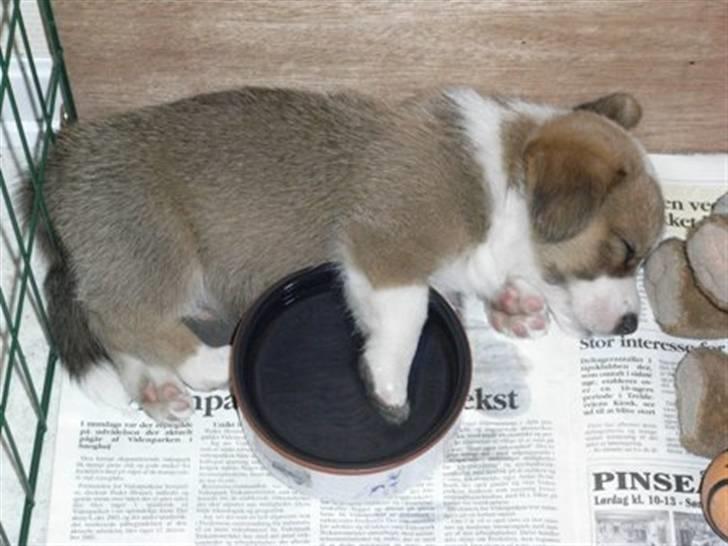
[22, 294]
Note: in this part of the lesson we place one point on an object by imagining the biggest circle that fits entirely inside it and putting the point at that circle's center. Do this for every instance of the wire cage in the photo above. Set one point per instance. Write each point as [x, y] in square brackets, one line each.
[35, 98]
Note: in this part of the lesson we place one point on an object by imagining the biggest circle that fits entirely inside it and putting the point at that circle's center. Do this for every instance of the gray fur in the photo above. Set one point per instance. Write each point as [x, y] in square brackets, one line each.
[78, 346]
[67, 316]
[207, 201]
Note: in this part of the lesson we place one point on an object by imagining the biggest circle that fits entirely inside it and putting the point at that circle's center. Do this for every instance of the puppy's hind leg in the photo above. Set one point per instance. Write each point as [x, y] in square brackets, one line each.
[157, 389]
[147, 354]
[391, 320]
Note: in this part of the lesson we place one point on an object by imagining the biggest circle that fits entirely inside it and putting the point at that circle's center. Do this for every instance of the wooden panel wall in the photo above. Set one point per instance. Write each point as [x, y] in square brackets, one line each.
[672, 54]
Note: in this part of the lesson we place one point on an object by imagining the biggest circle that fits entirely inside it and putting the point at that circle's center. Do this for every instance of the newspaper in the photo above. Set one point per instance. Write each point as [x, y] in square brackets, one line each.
[563, 441]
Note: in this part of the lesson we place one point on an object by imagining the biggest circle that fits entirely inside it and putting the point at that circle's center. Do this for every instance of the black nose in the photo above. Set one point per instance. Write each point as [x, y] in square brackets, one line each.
[627, 325]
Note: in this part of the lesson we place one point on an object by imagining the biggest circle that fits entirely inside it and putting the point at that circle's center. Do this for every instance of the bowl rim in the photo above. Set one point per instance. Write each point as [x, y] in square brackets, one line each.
[288, 284]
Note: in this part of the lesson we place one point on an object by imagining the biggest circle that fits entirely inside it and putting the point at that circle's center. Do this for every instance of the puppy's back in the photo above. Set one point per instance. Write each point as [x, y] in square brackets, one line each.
[221, 183]
[242, 187]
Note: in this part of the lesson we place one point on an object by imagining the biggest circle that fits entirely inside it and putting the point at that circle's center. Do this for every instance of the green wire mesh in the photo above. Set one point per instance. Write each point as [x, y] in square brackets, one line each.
[20, 293]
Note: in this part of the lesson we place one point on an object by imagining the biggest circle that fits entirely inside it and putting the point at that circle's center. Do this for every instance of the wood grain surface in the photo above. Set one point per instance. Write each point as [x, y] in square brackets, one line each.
[671, 54]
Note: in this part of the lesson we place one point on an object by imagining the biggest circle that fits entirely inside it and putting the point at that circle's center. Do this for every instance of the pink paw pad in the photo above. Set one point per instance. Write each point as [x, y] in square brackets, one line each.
[518, 310]
[167, 402]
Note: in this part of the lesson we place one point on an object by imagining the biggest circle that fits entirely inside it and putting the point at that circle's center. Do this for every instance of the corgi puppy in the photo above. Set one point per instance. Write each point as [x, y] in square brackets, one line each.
[195, 207]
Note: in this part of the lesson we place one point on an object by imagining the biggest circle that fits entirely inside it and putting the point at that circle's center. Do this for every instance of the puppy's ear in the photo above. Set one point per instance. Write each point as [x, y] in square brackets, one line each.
[567, 179]
[621, 108]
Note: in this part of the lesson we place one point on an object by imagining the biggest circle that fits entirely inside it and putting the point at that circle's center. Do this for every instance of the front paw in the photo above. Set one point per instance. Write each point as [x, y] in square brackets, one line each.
[518, 310]
[386, 393]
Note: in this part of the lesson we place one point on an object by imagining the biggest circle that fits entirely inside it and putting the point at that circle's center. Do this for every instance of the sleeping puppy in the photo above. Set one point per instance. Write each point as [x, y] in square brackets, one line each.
[195, 207]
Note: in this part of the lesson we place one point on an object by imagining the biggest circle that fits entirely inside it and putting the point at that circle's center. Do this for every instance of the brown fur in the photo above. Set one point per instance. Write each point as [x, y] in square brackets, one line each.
[207, 201]
[516, 133]
[166, 208]
[619, 107]
[418, 208]
[572, 163]
[574, 166]
[559, 160]
[578, 165]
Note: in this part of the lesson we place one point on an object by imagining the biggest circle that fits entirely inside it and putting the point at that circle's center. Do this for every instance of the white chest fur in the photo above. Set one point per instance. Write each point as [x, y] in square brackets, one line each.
[507, 250]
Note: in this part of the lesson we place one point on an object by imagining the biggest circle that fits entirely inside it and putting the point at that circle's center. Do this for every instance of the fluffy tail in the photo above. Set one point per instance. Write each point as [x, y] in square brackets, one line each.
[77, 346]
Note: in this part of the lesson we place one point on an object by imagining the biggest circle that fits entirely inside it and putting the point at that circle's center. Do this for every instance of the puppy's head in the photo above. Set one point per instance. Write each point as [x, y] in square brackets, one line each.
[596, 211]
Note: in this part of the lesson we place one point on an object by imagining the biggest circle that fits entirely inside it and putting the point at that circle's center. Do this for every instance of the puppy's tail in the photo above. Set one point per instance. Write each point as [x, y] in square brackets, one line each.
[78, 348]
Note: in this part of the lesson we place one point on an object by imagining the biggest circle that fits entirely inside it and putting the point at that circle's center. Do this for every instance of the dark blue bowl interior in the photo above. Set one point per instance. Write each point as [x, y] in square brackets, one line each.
[295, 360]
